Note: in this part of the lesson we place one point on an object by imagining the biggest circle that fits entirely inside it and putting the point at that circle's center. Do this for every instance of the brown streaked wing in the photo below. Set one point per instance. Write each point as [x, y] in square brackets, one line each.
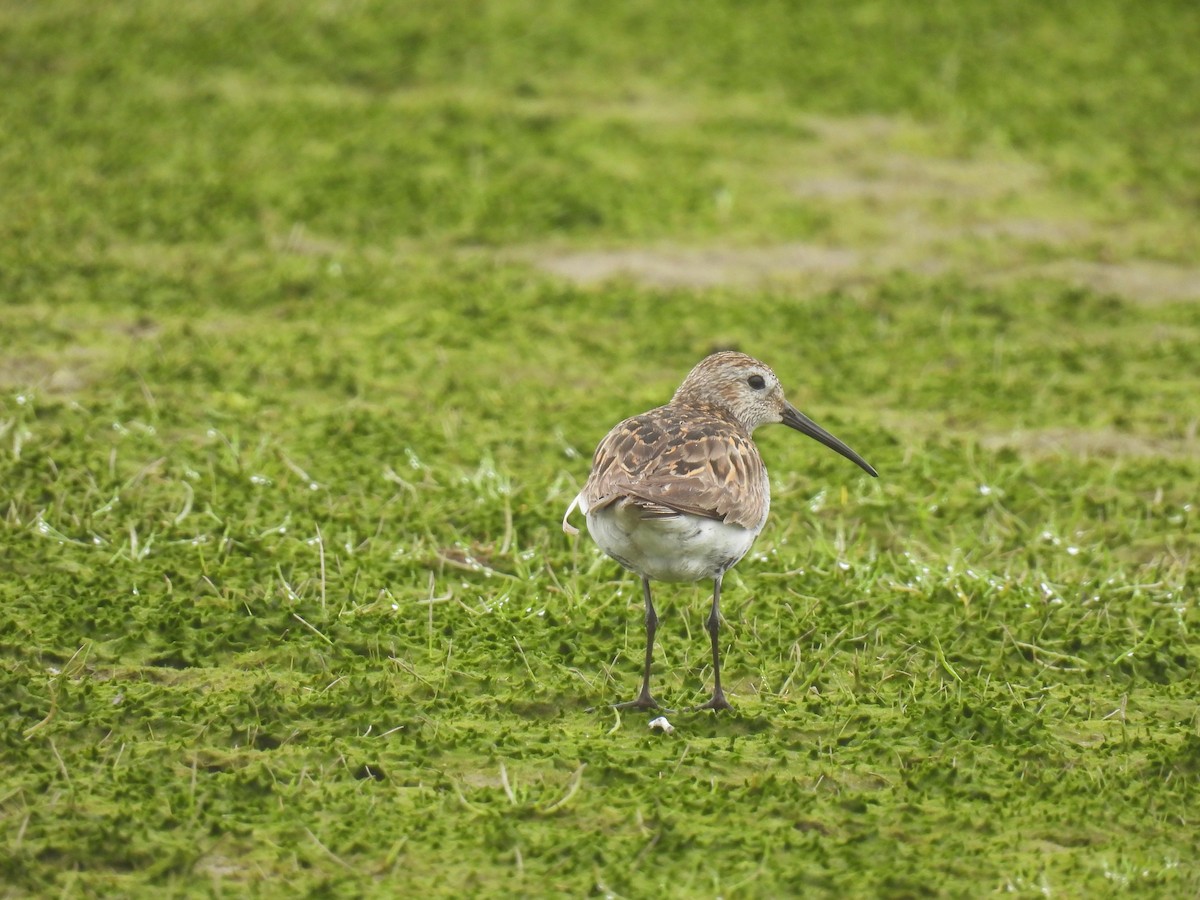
[668, 463]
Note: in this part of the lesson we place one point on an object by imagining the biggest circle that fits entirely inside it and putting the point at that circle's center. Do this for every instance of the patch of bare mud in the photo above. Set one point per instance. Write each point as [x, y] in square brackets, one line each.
[300, 242]
[924, 251]
[897, 203]
[53, 376]
[702, 267]
[1141, 280]
[872, 158]
[1083, 442]
[1041, 231]
[903, 177]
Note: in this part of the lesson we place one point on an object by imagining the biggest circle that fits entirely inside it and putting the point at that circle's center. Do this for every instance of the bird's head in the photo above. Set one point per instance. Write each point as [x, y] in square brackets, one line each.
[749, 392]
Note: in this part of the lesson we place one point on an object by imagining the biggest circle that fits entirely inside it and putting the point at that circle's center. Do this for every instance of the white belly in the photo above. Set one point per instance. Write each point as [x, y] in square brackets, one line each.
[676, 548]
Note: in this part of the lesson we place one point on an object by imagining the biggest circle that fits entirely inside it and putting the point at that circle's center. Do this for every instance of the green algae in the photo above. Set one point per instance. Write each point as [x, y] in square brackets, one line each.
[284, 450]
[334, 640]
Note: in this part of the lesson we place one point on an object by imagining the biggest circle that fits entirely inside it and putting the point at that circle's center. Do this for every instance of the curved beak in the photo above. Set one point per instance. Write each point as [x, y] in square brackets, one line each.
[793, 418]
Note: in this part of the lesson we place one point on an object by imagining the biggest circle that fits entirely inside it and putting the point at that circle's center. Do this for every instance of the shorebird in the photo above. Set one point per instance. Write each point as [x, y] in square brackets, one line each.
[679, 493]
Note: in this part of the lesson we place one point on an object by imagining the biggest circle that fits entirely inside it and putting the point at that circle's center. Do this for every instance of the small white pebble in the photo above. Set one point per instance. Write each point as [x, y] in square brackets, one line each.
[662, 723]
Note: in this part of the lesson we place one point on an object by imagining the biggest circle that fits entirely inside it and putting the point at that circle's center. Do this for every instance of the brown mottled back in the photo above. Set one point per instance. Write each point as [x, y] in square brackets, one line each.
[681, 458]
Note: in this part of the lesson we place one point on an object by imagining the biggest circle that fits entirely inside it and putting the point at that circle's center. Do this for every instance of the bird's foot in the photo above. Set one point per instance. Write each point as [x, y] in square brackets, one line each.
[717, 702]
[642, 701]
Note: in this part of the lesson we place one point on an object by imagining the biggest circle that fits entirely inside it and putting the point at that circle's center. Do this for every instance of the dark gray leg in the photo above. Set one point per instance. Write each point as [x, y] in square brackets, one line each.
[718, 700]
[644, 699]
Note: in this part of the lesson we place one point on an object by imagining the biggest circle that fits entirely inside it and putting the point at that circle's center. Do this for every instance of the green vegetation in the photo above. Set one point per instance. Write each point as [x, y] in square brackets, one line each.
[295, 387]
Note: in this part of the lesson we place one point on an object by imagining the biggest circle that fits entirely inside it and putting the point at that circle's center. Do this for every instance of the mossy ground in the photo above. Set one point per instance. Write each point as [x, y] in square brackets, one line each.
[291, 409]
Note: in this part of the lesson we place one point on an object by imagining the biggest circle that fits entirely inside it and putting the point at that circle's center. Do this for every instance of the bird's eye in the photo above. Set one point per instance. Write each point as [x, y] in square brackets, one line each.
[757, 382]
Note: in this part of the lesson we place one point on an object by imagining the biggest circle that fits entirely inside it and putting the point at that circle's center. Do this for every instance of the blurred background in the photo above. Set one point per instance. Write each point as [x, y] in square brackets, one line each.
[311, 314]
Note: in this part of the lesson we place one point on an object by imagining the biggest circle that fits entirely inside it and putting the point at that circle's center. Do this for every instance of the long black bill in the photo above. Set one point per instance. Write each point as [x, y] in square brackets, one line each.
[793, 418]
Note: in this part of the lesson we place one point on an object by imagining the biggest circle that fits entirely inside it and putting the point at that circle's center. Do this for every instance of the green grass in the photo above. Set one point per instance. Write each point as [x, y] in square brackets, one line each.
[289, 415]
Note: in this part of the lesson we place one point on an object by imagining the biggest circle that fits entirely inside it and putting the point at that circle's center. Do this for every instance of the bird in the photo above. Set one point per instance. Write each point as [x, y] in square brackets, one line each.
[679, 493]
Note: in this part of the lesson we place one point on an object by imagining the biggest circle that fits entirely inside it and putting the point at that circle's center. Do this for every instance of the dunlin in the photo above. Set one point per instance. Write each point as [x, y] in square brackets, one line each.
[679, 493]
